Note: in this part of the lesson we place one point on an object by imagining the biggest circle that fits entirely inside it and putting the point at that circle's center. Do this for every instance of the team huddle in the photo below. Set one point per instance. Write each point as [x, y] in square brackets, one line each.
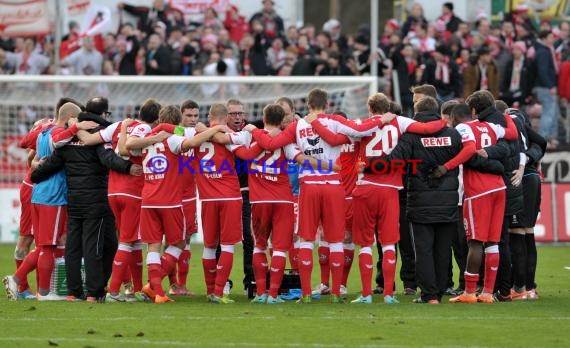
[100, 191]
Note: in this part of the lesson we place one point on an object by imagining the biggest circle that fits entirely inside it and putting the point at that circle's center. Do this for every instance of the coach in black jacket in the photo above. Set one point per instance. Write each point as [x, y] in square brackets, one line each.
[431, 202]
[91, 225]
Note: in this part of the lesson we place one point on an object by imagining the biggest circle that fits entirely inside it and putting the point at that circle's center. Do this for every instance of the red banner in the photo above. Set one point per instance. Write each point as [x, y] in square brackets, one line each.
[553, 223]
[24, 18]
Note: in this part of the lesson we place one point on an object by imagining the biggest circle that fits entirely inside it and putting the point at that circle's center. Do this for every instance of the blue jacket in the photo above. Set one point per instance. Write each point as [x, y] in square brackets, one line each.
[545, 70]
[52, 191]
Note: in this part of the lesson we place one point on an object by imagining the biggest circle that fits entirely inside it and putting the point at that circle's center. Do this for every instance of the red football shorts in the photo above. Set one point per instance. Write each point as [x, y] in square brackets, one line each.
[127, 211]
[483, 216]
[321, 203]
[158, 222]
[50, 223]
[26, 210]
[275, 220]
[190, 216]
[375, 206]
[349, 209]
[221, 222]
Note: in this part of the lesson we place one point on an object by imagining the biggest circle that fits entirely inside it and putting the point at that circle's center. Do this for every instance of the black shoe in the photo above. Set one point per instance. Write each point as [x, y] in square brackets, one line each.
[451, 292]
[378, 290]
[500, 298]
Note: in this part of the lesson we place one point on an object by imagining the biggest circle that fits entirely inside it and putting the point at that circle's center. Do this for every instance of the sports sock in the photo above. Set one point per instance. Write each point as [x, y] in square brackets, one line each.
[336, 266]
[491, 267]
[155, 272]
[306, 266]
[259, 262]
[348, 249]
[531, 261]
[471, 282]
[294, 256]
[223, 268]
[45, 268]
[136, 266]
[169, 259]
[518, 259]
[29, 263]
[19, 259]
[389, 268]
[209, 265]
[277, 268]
[366, 266]
[324, 262]
[184, 265]
[120, 267]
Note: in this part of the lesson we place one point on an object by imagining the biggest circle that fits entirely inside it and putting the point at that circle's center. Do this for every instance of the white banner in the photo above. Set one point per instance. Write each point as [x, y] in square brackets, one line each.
[192, 7]
[23, 18]
[9, 215]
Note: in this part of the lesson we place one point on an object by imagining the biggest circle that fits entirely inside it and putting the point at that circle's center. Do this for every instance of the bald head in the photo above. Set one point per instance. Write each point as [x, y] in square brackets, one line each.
[67, 111]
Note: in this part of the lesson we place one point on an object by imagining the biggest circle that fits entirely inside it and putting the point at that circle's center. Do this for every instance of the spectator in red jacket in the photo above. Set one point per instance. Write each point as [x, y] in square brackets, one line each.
[235, 24]
[564, 79]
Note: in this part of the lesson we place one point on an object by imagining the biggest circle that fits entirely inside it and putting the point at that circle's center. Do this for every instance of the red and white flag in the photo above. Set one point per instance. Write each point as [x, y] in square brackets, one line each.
[192, 7]
[24, 18]
[96, 22]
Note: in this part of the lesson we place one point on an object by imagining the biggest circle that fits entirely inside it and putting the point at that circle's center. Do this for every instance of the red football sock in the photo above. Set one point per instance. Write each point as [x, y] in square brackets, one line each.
[294, 257]
[259, 263]
[471, 282]
[136, 268]
[45, 268]
[337, 268]
[278, 262]
[120, 267]
[348, 258]
[389, 271]
[155, 275]
[324, 263]
[29, 264]
[168, 263]
[223, 270]
[366, 266]
[305, 269]
[23, 282]
[172, 276]
[209, 266]
[59, 252]
[183, 267]
[491, 267]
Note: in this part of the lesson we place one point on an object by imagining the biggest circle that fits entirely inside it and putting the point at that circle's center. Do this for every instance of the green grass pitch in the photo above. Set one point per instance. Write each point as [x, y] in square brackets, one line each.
[191, 322]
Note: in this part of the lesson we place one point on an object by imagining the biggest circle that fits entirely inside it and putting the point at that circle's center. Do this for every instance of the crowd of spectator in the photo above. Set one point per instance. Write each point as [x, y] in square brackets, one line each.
[518, 60]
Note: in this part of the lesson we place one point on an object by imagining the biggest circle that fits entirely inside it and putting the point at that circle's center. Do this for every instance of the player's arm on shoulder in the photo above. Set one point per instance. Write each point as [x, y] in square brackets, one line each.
[485, 165]
[240, 138]
[498, 151]
[248, 153]
[47, 166]
[508, 133]
[422, 127]
[332, 138]
[267, 142]
[111, 160]
[468, 149]
[199, 138]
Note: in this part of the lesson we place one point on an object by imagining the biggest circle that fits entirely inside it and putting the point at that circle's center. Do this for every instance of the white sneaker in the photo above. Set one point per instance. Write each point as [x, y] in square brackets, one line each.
[321, 289]
[51, 297]
[343, 290]
[11, 287]
[227, 289]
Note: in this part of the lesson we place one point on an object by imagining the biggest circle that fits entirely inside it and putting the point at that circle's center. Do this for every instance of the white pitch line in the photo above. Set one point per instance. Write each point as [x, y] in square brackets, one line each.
[342, 318]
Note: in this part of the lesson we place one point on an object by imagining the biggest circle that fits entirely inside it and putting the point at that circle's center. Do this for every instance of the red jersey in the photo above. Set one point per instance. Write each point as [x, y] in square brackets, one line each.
[309, 141]
[381, 143]
[188, 176]
[484, 134]
[162, 184]
[216, 177]
[349, 178]
[29, 142]
[268, 178]
[122, 184]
